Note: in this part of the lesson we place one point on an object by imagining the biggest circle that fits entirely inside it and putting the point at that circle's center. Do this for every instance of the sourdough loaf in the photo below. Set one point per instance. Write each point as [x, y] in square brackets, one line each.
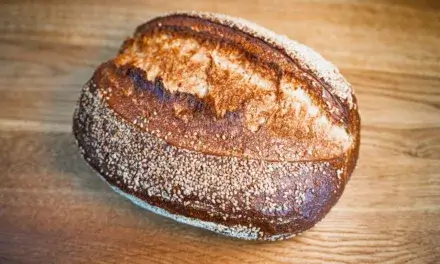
[219, 123]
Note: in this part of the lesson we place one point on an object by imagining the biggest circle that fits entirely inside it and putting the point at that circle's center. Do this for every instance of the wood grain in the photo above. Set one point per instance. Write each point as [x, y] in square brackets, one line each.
[53, 209]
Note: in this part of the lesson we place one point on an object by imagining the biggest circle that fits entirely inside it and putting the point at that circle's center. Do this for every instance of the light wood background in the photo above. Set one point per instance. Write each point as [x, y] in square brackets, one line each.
[53, 209]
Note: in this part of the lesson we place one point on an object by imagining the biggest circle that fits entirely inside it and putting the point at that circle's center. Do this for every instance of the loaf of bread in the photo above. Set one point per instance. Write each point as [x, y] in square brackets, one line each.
[222, 124]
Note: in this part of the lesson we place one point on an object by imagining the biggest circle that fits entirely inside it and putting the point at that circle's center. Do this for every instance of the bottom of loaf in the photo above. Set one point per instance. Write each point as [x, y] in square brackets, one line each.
[232, 231]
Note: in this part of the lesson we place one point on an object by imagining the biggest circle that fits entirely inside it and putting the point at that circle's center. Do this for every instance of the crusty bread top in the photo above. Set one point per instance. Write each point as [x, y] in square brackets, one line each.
[224, 86]
[305, 56]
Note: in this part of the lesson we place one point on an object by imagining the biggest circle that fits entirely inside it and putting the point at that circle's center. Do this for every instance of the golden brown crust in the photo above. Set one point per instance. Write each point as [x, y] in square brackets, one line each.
[293, 117]
[192, 152]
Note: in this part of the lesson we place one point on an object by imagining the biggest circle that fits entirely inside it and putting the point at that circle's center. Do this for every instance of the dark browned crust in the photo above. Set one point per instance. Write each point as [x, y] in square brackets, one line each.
[101, 133]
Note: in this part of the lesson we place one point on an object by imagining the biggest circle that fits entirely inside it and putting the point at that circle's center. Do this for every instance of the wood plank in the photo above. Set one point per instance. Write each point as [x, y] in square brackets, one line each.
[53, 209]
[356, 33]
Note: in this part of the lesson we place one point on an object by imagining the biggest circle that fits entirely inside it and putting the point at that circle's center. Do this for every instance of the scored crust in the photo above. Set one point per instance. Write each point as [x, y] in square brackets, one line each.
[208, 167]
[306, 57]
[254, 96]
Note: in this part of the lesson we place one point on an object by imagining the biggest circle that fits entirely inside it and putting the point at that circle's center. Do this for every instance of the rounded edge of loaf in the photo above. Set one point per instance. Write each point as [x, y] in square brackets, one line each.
[313, 195]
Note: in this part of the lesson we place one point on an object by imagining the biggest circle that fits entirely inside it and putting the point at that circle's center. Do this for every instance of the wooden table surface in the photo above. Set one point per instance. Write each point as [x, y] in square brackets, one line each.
[54, 209]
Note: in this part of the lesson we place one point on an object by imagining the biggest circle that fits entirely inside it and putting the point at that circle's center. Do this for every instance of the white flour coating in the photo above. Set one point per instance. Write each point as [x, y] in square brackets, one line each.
[306, 57]
[237, 231]
[228, 187]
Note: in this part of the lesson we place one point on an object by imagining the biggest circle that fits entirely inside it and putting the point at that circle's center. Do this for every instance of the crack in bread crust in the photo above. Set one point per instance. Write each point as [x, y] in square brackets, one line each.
[185, 121]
